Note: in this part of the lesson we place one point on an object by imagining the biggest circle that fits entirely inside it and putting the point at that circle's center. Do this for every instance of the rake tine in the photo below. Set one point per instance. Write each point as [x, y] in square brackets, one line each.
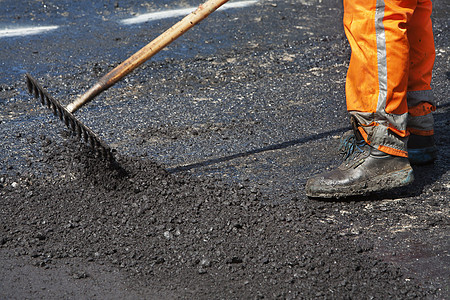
[71, 123]
[41, 96]
[29, 86]
[85, 136]
[37, 94]
[60, 114]
[65, 119]
[34, 90]
[92, 142]
[47, 100]
[55, 110]
[81, 130]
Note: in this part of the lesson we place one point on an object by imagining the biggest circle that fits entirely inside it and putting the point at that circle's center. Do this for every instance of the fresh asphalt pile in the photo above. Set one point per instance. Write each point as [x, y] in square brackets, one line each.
[205, 199]
[197, 238]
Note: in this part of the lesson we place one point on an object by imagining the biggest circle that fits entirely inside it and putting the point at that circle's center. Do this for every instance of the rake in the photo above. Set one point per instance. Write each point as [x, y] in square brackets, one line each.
[66, 114]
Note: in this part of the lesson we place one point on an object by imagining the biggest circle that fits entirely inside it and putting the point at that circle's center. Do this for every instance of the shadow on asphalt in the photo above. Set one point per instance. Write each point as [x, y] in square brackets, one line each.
[278, 146]
[425, 175]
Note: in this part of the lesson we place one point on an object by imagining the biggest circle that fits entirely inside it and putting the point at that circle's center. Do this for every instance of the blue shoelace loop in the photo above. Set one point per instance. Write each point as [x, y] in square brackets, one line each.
[349, 147]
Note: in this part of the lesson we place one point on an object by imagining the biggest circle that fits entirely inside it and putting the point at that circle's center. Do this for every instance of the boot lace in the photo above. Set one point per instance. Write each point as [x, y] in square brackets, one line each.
[349, 147]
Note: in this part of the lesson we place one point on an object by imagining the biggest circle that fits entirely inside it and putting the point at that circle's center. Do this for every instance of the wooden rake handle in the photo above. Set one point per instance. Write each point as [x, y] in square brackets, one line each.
[146, 52]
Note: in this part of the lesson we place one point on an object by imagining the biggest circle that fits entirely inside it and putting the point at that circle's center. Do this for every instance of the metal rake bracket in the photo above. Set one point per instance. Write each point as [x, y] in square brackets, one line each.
[81, 130]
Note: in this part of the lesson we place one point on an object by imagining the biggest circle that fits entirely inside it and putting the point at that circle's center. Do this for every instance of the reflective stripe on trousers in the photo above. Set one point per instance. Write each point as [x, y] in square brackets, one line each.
[390, 70]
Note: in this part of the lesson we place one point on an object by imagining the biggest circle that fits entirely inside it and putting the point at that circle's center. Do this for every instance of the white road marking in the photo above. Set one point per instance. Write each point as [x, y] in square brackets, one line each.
[25, 31]
[179, 12]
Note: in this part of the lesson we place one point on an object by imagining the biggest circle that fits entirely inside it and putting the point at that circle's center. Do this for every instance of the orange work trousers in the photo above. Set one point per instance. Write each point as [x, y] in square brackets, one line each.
[388, 80]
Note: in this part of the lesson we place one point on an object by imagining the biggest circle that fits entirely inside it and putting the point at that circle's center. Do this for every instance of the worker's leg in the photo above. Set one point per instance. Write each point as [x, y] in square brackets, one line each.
[376, 90]
[377, 77]
[421, 147]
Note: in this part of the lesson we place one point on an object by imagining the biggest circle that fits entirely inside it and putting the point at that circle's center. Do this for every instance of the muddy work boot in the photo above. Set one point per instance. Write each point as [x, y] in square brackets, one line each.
[364, 170]
[421, 149]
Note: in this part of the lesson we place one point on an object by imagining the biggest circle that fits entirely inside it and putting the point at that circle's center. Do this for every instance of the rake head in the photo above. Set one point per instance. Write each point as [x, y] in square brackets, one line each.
[81, 130]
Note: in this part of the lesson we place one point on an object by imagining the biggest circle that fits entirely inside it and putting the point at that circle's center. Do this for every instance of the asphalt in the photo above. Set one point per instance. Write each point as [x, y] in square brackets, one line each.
[253, 98]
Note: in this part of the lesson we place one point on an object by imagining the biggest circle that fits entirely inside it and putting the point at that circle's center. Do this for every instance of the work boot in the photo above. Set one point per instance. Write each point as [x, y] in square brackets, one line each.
[364, 170]
[421, 149]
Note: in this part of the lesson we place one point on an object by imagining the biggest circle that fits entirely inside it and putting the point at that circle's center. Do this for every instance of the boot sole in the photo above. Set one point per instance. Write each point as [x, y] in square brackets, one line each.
[377, 184]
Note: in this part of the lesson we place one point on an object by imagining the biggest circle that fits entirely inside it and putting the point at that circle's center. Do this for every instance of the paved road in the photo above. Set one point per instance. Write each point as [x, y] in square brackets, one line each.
[241, 97]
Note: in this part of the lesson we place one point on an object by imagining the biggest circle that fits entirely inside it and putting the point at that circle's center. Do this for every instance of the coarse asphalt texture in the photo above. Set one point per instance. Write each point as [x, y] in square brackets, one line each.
[215, 139]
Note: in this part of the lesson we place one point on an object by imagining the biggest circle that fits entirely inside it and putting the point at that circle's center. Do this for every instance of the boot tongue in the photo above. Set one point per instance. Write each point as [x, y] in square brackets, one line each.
[359, 140]
[358, 137]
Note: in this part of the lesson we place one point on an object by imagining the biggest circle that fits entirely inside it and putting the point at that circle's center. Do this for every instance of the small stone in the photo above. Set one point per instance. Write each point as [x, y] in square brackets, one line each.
[167, 235]
[205, 263]
[80, 275]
